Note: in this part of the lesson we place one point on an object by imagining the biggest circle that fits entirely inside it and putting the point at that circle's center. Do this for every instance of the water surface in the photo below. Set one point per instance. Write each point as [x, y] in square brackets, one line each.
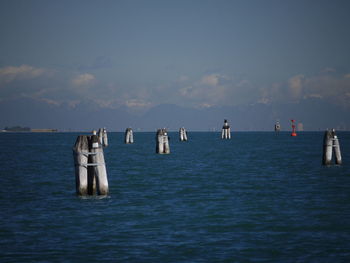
[257, 197]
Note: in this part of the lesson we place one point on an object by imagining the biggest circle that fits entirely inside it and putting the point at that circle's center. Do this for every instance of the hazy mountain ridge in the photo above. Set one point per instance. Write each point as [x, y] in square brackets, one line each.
[315, 114]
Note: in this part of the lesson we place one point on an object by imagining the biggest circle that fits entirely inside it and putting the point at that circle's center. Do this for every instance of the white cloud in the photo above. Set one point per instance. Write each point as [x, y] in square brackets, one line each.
[186, 91]
[295, 85]
[25, 81]
[10, 73]
[50, 101]
[316, 96]
[210, 80]
[208, 90]
[205, 105]
[85, 79]
[264, 100]
[136, 103]
[214, 80]
[73, 103]
[105, 103]
[216, 89]
[330, 87]
[328, 70]
[183, 78]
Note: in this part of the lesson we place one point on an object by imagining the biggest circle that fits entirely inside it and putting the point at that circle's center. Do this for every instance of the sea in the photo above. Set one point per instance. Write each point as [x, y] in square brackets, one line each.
[258, 197]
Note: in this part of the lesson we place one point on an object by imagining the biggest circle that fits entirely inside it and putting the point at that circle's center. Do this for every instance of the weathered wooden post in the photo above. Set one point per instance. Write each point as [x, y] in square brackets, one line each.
[102, 137]
[226, 131]
[90, 168]
[80, 153]
[336, 147]
[330, 143]
[327, 148]
[182, 134]
[162, 142]
[105, 138]
[99, 166]
[129, 136]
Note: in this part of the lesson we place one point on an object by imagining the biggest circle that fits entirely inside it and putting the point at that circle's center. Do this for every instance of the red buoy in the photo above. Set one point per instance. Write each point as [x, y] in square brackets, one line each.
[293, 128]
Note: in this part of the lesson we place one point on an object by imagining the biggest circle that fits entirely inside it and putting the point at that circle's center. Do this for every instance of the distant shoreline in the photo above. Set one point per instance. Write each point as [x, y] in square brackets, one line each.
[31, 131]
[171, 131]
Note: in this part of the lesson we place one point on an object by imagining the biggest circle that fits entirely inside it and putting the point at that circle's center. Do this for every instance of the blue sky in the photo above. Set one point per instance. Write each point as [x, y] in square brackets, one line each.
[196, 54]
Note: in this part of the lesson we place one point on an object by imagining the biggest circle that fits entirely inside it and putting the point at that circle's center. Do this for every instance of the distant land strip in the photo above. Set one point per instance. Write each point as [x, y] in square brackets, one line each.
[26, 129]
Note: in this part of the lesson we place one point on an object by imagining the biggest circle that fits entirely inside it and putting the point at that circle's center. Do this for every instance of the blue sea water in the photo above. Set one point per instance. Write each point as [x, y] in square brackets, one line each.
[259, 197]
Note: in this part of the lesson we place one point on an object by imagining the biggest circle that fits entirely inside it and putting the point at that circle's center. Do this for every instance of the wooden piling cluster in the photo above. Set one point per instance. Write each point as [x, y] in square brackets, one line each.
[129, 136]
[162, 142]
[330, 145]
[90, 168]
[226, 131]
[182, 134]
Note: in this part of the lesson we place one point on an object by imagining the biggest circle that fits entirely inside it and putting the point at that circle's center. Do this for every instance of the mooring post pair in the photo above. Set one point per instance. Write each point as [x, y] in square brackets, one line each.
[226, 131]
[162, 142]
[182, 134]
[128, 136]
[90, 168]
[330, 145]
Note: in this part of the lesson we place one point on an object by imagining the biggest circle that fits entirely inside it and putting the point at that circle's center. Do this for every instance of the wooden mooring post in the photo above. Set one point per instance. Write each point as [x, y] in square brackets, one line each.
[226, 131]
[81, 153]
[182, 134]
[162, 142]
[129, 136]
[330, 144]
[102, 137]
[90, 168]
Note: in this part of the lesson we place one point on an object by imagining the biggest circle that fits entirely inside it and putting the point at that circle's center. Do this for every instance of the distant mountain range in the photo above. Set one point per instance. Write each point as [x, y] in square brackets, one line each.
[315, 114]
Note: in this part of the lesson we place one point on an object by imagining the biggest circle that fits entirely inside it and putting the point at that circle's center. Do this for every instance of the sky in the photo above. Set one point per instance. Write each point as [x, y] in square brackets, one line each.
[197, 54]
